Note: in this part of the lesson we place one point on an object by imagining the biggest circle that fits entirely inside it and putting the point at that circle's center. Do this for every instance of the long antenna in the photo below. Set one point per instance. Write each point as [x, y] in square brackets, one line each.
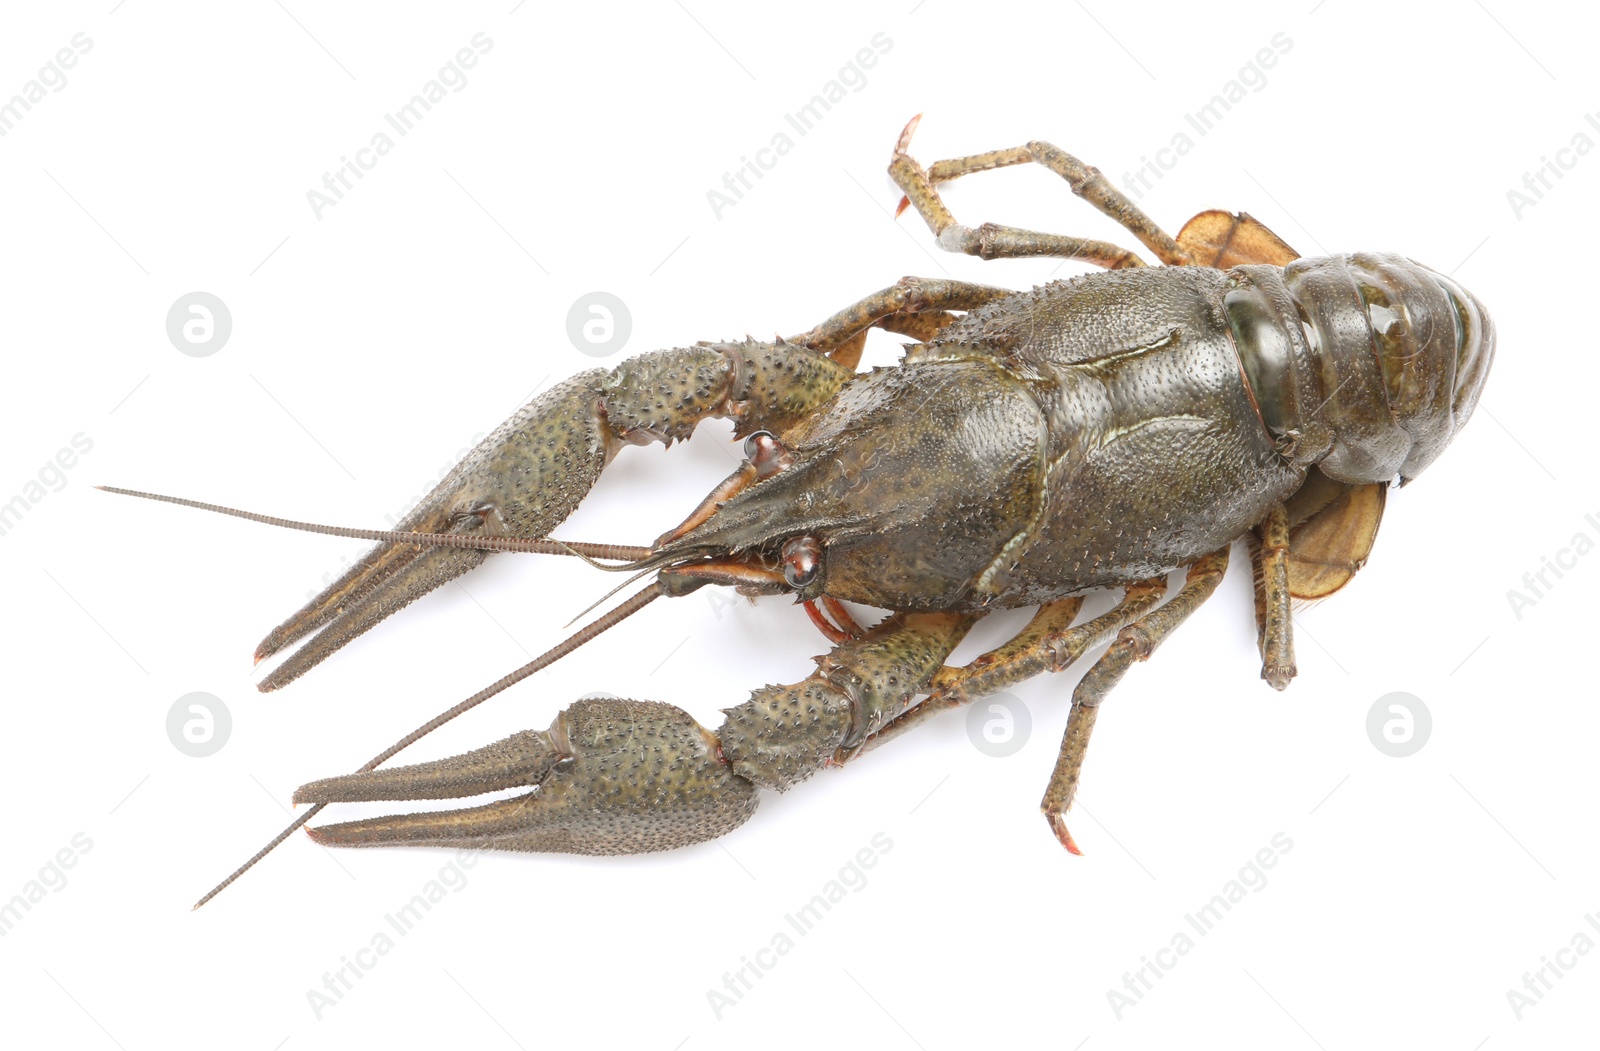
[640, 599]
[613, 552]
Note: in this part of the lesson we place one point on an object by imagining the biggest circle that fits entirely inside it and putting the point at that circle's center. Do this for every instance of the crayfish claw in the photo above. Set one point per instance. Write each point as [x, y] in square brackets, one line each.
[522, 480]
[610, 776]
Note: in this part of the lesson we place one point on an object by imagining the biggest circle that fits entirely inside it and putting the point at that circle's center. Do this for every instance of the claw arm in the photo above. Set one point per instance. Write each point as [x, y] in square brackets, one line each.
[530, 474]
[614, 776]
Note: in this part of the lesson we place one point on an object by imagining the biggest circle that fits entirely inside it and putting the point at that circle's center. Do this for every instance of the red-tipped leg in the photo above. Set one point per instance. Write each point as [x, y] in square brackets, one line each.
[1058, 825]
[904, 142]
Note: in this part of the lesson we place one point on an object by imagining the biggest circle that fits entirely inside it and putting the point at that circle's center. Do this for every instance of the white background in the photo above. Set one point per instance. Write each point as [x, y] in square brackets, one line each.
[370, 346]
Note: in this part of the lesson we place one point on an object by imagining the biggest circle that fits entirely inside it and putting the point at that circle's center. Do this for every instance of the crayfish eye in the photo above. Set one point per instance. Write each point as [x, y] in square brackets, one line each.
[767, 454]
[802, 561]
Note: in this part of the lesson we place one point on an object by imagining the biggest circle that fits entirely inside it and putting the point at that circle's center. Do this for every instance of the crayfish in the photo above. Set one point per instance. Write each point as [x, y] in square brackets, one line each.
[1030, 447]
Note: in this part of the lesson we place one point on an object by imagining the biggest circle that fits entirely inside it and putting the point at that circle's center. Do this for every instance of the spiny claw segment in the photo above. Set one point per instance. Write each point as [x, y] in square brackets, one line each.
[610, 776]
